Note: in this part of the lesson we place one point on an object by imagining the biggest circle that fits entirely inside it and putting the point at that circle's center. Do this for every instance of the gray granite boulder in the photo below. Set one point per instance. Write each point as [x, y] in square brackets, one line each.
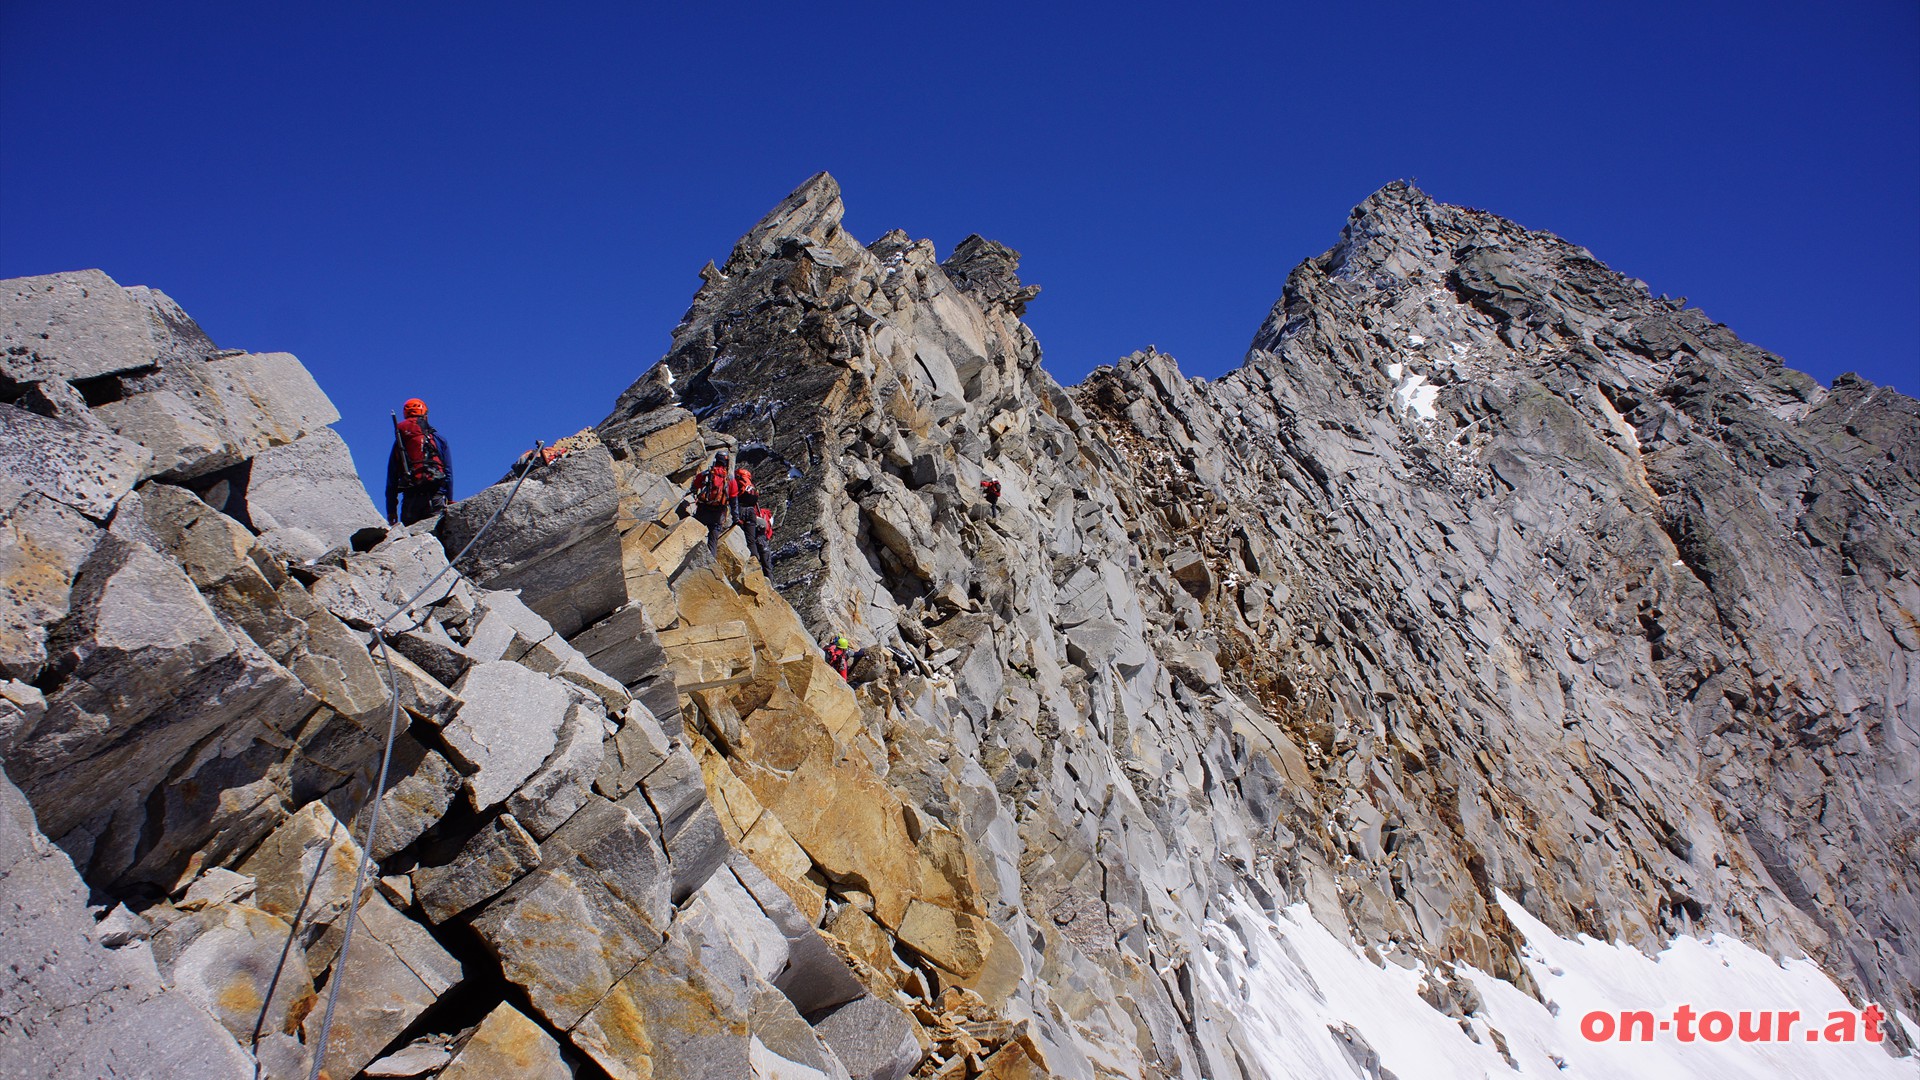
[70, 1008]
[873, 1038]
[811, 974]
[200, 416]
[229, 958]
[306, 498]
[305, 869]
[558, 543]
[597, 905]
[366, 588]
[564, 781]
[496, 857]
[423, 785]
[85, 469]
[508, 1044]
[507, 726]
[148, 675]
[43, 544]
[77, 325]
[182, 438]
[394, 971]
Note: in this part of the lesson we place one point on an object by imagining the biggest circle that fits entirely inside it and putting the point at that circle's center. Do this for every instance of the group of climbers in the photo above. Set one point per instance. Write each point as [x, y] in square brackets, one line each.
[420, 466]
[420, 485]
[725, 496]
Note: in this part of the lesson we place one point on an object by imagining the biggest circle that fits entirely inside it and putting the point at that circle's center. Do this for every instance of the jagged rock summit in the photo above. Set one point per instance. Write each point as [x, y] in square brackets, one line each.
[1491, 598]
[1471, 492]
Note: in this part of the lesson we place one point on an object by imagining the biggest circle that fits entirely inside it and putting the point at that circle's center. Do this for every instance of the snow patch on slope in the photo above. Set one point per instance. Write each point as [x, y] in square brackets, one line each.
[1295, 985]
[1413, 394]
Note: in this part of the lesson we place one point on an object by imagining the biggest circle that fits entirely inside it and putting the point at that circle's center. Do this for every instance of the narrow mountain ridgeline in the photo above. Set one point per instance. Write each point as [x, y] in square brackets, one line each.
[1490, 603]
[1487, 571]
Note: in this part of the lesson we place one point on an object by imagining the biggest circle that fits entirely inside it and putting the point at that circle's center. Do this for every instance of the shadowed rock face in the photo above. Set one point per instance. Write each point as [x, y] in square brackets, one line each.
[1681, 569]
[1486, 572]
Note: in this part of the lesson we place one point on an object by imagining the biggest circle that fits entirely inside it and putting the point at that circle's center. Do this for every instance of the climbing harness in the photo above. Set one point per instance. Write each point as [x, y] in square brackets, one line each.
[373, 806]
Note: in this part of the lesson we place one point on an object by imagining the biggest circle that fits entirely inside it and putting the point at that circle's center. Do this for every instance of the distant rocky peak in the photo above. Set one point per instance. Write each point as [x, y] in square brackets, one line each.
[811, 214]
[1389, 238]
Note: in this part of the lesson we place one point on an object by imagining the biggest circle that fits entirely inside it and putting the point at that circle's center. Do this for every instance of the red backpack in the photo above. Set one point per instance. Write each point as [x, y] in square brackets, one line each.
[425, 468]
[766, 521]
[714, 488]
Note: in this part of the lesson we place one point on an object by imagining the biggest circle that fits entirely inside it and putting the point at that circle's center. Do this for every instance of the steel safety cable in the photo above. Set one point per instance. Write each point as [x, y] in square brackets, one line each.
[386, 760]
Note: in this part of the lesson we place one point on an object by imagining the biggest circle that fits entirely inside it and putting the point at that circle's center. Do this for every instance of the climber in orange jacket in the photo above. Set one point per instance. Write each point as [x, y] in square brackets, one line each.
[754, 519]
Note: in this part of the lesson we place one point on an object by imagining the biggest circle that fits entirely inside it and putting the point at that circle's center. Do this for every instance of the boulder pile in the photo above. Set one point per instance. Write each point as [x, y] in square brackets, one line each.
[1487, 572]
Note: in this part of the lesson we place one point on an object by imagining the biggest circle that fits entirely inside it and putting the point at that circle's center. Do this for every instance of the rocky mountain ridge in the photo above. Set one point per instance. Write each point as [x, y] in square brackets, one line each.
[1488, 573]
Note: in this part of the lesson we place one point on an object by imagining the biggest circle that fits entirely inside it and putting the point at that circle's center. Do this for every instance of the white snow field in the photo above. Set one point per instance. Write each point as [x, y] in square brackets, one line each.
[1295, 985]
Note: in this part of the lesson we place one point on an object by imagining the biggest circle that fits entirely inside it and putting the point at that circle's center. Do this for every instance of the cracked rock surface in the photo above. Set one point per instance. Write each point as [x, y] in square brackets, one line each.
[1487, 572]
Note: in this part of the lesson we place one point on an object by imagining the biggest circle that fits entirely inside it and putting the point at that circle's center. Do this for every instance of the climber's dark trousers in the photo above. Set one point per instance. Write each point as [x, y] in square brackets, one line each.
[420, 505]
[715, 519]
[757, 543]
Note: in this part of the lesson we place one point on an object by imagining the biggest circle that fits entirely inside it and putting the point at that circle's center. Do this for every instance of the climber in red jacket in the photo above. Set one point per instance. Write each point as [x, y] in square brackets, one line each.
[420, 469]
[841, 655]
[715, 493]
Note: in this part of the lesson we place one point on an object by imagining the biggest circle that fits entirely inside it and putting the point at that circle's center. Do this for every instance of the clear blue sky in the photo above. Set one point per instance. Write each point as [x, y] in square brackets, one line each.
[502, 209]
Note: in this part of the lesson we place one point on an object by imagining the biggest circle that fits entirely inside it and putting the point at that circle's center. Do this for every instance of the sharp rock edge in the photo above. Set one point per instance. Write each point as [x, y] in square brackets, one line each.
[1331, 717]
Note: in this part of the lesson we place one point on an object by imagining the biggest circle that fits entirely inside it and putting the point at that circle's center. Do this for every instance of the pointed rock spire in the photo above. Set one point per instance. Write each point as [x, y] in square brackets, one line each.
[811, 213]
[1388, 238]
[989, 271]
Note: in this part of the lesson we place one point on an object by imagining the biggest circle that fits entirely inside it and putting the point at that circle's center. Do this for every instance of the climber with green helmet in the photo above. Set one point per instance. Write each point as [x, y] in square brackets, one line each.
[841, 655]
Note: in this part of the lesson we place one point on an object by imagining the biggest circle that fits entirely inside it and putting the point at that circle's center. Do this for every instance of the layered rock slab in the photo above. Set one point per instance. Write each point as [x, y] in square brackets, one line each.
[508, 1044]
[596, 906]
[509, 723]
[72, 1008]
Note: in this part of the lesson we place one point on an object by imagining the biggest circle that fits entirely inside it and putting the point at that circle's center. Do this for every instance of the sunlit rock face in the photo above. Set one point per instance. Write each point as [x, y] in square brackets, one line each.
[1487, 570]
[1296, 720]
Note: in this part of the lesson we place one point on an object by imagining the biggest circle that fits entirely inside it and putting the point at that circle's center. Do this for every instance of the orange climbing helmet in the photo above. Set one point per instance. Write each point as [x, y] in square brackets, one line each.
[743, 473]
[414, 407]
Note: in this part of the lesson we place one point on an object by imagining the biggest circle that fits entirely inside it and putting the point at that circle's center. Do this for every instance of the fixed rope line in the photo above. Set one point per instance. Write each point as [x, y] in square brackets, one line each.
[386, 760]
[273, 984]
